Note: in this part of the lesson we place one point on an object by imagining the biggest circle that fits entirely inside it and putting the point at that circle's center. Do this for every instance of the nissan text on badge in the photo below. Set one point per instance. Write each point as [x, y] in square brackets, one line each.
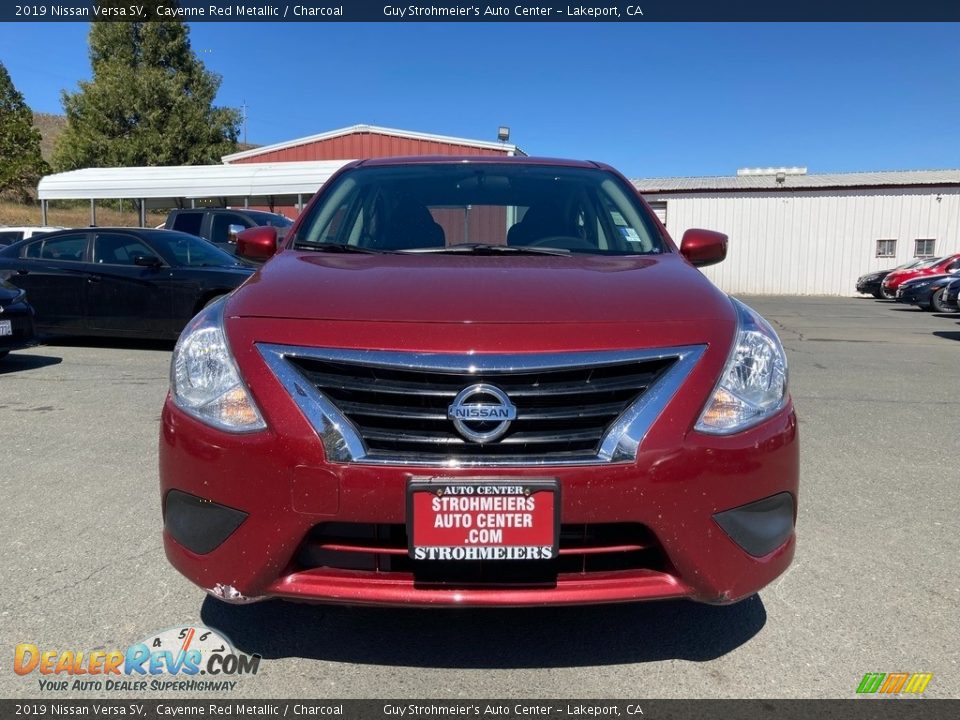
[479, 381]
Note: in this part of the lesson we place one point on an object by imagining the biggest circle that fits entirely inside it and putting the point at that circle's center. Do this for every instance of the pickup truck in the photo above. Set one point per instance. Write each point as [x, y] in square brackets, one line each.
[221, 225]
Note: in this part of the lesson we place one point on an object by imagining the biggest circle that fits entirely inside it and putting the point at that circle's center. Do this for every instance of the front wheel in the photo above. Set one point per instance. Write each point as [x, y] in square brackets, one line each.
[4, 353]
[878, 294]
[936, 300]
[888, 295]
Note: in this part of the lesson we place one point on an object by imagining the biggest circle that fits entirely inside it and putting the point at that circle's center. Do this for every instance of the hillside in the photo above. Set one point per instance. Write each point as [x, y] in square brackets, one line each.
[51, 126]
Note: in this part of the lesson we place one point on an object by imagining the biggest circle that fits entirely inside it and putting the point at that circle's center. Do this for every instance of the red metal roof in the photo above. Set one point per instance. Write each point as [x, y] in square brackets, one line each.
[369, 141]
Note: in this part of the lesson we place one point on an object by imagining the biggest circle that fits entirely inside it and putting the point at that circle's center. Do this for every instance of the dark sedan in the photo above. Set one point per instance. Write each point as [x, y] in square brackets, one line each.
[16, 319]
[951, 295]
[127, 282]
[870, 283]
[926, 292]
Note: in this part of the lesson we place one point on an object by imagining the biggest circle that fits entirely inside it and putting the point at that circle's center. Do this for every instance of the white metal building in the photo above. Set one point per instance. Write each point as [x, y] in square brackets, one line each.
[798, 234]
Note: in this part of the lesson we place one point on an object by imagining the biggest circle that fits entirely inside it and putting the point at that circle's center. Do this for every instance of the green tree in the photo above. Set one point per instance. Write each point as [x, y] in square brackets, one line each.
[150, 102]
[21, 164]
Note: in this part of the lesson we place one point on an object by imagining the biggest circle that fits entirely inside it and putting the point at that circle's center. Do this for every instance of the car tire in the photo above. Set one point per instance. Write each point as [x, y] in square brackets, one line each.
[888, 295]
[878, 294]
[936, 302]
[4, 353]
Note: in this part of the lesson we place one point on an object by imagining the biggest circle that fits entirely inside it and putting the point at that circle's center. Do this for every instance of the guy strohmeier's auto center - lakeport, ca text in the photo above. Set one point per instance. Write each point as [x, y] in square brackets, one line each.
[517, 11]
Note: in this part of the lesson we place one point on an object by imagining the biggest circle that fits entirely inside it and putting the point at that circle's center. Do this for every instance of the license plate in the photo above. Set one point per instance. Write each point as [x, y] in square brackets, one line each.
[6, 327]
[449, 519]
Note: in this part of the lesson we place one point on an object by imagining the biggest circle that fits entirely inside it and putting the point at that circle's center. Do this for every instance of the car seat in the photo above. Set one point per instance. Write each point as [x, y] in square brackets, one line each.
[539, 222]
[409, 226]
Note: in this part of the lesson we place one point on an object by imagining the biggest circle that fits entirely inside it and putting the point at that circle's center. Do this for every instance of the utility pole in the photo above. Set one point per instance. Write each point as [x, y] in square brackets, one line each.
[243, 109]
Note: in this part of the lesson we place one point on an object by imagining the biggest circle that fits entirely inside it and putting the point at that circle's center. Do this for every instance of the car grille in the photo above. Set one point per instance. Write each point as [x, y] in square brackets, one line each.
[385, 407]
[583, 549]
[402, 413]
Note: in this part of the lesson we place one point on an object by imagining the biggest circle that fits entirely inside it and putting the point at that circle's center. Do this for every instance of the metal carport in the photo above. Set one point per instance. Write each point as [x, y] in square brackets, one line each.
[181, 186]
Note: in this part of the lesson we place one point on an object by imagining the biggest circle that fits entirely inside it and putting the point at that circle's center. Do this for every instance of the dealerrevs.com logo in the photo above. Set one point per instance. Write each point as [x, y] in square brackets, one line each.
[190, 658]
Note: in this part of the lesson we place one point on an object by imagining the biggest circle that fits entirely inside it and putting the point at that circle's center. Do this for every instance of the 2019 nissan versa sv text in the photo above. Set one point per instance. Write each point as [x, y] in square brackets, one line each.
[471, 381]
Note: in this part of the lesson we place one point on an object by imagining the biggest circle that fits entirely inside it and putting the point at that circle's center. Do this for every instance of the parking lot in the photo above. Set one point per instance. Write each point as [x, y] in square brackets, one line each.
[873, 588]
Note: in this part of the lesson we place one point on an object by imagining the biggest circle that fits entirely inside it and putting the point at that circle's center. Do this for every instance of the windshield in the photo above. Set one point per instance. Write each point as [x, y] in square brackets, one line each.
[911, 264]
[433, 207]
[271, 219]
[186, 250]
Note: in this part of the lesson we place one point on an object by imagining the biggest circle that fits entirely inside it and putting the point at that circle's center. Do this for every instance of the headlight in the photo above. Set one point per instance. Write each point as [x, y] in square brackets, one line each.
[753, 385]
[916, 285]
[204, 380]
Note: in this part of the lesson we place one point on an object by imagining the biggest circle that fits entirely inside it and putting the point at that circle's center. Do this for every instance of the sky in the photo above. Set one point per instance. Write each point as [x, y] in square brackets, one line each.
[651, 99]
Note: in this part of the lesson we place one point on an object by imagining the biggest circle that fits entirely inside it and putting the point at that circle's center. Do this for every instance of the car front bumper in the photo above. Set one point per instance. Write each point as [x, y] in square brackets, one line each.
[868, 287]
[20, 316]
[716, 515]
[919, 296]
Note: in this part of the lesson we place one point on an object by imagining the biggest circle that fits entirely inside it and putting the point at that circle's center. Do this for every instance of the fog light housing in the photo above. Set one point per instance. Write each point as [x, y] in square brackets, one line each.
[760, 527]
[198, 524]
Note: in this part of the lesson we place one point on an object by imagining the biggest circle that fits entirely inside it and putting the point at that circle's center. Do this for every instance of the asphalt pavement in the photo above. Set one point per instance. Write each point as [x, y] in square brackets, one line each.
[874, 586]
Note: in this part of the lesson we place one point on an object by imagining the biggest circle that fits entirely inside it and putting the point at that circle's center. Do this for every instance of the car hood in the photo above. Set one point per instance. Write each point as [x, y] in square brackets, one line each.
[434, 288]
[901, 276]
[928, 278]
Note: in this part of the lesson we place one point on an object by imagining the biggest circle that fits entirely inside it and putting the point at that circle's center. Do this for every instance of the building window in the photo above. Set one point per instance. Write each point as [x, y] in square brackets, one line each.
[886, 248]
[923, 248]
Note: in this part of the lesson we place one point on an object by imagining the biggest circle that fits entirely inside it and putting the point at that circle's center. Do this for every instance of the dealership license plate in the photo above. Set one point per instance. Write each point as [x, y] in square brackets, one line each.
[6, 327]
[449, 519]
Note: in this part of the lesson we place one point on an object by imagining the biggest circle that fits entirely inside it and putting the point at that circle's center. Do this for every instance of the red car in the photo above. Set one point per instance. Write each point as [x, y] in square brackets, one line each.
[935, 266]
[479, 381]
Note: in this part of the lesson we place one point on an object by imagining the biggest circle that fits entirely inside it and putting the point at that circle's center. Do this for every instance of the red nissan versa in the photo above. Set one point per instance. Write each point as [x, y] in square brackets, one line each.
[935, 266]
[469, 381]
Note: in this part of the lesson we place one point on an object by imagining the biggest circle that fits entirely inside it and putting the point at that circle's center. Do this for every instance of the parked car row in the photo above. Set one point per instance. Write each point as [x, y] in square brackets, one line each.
[9, 235]
[125, 282]
[929, 284]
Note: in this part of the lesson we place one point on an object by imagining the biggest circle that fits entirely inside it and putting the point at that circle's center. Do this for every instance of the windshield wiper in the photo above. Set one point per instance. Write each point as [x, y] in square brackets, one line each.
[335, 248]
[485, 249]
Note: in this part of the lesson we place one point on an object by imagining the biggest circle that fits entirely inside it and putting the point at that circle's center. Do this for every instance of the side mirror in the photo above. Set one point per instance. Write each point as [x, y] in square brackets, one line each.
[149, 261]
[703, 247]
[233, 231]
[257, 243]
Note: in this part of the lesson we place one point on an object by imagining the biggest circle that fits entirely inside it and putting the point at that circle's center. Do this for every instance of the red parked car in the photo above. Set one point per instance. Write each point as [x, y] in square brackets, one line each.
[479, 381]
[935, 266]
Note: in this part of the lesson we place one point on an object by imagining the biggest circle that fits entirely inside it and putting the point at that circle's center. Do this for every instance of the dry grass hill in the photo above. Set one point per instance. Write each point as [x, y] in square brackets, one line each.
[70, 214]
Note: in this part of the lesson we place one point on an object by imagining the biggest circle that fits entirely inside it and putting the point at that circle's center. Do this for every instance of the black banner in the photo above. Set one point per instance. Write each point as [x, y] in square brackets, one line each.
[855, 709]
[526, 11]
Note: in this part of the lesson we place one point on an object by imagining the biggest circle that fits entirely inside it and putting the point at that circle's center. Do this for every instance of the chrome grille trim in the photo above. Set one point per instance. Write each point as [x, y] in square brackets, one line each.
[343, 443]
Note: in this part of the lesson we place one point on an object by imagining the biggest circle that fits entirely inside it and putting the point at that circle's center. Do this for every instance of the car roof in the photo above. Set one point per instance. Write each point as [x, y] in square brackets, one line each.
[477, 160]
[143, 232]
